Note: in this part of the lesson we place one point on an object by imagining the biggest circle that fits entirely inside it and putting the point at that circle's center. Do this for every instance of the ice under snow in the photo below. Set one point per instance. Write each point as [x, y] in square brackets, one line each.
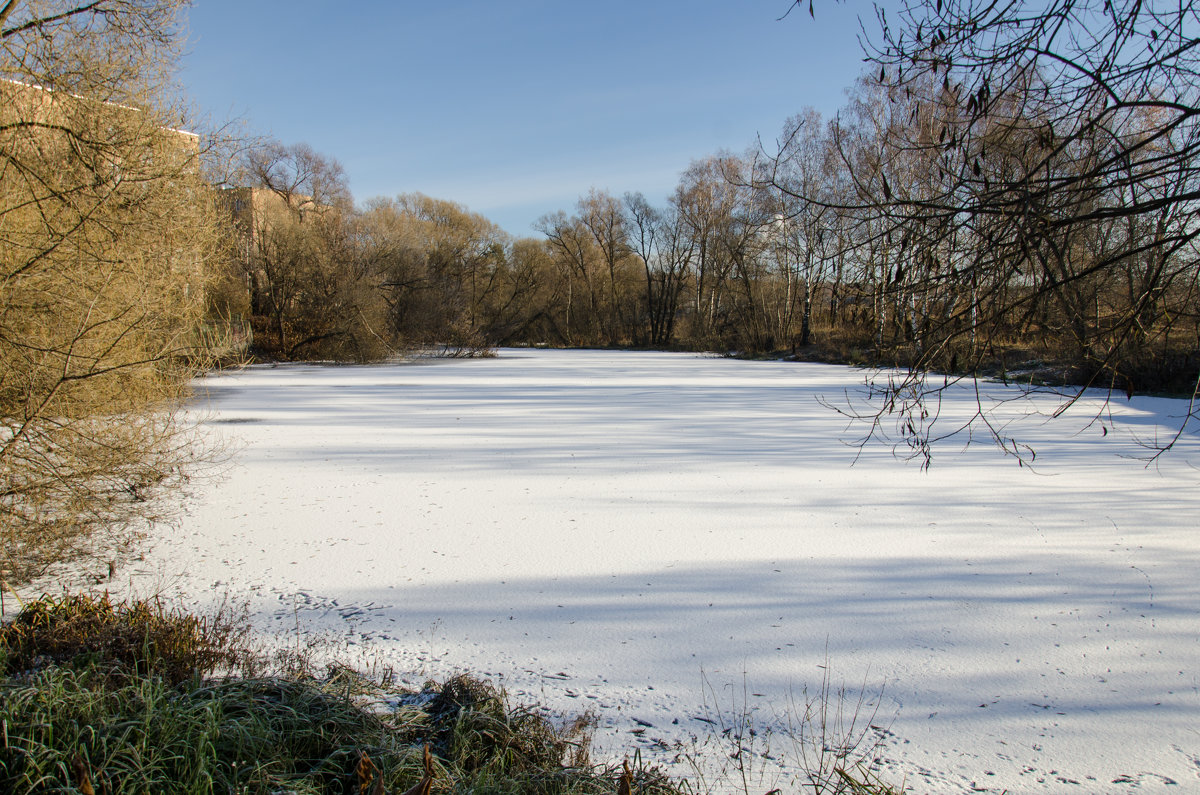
[665, 538]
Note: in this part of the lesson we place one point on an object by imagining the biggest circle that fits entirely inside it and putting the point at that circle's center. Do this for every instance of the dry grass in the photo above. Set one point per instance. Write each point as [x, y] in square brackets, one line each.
[827, 742]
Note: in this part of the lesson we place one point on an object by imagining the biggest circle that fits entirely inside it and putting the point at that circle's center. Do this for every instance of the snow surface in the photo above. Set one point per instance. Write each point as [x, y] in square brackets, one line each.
[666, 538]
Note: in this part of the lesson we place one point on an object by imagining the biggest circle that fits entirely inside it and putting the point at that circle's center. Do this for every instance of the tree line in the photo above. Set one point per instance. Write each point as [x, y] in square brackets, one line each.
[998, 196]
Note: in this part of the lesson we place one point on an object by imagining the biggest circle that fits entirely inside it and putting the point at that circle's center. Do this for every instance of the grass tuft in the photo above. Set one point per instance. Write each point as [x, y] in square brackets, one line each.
[140, 638]
[121, 699]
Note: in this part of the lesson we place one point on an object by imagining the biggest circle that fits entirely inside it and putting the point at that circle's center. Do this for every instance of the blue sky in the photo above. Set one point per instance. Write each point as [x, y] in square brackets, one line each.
[517, 108]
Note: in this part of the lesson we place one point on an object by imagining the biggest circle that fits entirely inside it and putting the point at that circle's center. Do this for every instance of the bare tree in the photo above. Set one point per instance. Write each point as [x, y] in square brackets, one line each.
[660, 241]
[303, 179]
[705, 201]
[528, 298]
[601, 214]
[315, 291]
[1037, 175]
[574, 253]
[443, 266]
[107, 240]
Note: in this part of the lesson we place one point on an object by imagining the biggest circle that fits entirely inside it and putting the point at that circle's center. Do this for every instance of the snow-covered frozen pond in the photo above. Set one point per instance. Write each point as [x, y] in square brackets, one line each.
[645, 533]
